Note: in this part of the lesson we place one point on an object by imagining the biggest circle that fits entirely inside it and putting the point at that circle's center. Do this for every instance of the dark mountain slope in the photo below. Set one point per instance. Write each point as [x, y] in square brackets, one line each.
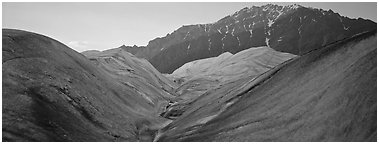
[294, 29]
[328, 94]
[52, 93]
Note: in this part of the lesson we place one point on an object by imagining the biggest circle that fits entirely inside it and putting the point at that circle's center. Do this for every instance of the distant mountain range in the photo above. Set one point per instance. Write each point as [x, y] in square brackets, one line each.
[294, 29]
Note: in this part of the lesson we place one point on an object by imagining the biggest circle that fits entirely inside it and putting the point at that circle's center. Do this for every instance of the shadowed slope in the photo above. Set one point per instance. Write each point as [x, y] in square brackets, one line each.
[328, 94]
[52, 93]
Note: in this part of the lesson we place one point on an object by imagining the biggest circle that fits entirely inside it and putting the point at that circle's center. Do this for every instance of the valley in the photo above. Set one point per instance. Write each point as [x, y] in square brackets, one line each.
[261, 74]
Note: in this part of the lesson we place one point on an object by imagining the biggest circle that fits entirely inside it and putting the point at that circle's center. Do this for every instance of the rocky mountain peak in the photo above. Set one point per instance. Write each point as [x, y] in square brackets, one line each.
[292, 28]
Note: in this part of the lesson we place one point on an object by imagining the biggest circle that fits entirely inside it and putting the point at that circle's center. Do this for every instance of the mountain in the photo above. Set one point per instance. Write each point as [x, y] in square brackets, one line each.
[90, 52]
[131, 49]
[327, 94]
[293, 29]
[227, 66]
[200, 76]
[268, 73]
[52, 93]
[137, 74]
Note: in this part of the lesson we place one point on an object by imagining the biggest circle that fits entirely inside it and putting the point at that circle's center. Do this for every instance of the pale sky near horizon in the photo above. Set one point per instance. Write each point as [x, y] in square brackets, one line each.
[100, 26]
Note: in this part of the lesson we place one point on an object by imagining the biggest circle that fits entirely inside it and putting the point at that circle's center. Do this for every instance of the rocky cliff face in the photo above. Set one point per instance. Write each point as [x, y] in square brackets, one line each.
[293, 29]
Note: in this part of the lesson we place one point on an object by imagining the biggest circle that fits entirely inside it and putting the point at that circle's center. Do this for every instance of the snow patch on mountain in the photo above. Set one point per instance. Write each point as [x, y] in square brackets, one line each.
[186, 35]
[270, 22]
[280, 39]
[267, 42]
[222, 40]
[209, 44]
[345, 28]
[280, 13]
[219, 31]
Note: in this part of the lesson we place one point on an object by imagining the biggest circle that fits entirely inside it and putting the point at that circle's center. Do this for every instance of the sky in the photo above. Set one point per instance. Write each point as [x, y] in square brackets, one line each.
[101, 26]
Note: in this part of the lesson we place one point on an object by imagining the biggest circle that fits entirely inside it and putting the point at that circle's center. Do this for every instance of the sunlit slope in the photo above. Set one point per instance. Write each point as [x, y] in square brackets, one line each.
[197, 77]
[52, 93]
[137, 74]
[228, 67]
[328, 94]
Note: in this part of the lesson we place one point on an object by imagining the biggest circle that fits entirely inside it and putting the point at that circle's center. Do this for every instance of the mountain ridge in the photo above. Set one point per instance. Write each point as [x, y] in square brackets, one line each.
[327, 94]
[293, 29]
[53, 93]
[268, 73]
